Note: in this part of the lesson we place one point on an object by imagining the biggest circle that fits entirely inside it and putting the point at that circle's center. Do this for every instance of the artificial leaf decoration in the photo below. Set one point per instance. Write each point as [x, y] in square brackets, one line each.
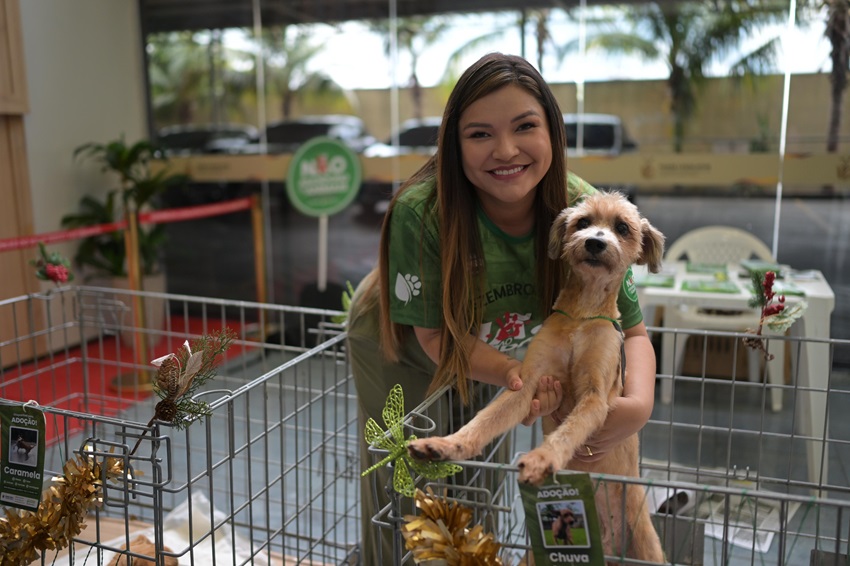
[347, 295]
[781, 321]
[776, 316]
[394, 442]
[180, 374]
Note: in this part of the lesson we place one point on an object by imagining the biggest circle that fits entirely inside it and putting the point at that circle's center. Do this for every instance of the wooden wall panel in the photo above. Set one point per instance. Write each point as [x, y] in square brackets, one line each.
[16, 275]
[13, 84]
[16, 219]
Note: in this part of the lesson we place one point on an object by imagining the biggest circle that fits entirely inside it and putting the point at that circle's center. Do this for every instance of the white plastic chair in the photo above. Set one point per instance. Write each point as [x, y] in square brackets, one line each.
[718, 245]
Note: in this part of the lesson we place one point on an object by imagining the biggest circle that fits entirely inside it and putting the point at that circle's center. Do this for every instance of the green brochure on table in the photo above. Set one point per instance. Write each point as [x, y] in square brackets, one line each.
[563, 527]
[751, 265]
[695, 267]
[21, 456]
[785, 288]
[710, 286]
[655, 280]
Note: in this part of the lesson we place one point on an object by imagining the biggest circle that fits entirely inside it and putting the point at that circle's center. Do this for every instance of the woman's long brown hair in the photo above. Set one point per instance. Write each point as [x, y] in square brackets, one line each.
[454, 201]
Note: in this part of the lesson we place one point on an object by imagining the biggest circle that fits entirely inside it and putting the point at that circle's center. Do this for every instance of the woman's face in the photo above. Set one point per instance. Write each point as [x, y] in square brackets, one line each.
[505, 146]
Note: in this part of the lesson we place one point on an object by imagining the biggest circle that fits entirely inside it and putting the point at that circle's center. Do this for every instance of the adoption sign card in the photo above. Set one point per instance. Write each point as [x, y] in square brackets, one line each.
[563, 527]
[21, 456]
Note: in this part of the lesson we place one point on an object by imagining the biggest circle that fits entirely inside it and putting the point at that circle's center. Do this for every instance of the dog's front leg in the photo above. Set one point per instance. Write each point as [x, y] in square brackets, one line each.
[558, 448]
[504, 413]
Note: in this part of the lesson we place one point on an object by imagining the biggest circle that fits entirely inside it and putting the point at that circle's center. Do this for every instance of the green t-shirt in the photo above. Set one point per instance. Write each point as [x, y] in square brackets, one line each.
[511, 307]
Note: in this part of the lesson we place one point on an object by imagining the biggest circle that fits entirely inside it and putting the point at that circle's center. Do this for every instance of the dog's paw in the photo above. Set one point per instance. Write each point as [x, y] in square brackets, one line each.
[537, 465]
[436, 449]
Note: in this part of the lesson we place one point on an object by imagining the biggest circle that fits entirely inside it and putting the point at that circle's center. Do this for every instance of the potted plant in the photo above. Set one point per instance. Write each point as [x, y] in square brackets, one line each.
[104, 256]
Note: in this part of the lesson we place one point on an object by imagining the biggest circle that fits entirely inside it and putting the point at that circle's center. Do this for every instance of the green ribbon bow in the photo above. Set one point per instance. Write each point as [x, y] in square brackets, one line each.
[396, 445]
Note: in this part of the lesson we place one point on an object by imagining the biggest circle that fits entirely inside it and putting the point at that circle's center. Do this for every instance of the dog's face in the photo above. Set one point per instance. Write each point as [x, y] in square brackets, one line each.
[603, 235]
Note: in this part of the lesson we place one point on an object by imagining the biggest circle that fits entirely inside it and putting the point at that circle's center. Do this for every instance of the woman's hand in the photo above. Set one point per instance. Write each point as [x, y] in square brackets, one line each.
[547, 398]
[513, 380]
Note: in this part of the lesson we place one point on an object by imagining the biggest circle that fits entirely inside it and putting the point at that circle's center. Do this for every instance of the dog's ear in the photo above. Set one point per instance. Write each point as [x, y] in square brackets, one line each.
[652, 246]
[557, 232]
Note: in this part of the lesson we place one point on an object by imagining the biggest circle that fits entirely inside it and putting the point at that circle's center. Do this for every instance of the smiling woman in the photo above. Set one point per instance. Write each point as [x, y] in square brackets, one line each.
[435, 312]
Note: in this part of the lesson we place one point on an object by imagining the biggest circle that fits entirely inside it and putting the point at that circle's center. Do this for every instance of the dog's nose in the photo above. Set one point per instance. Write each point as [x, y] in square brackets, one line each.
[594, 245]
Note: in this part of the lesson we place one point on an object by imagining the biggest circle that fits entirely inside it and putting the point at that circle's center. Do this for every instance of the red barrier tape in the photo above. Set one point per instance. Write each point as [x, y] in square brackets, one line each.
[194, 212]
[10, 244]
[155, 217]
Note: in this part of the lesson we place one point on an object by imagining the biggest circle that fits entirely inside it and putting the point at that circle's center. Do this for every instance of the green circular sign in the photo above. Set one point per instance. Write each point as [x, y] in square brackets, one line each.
[323, 178]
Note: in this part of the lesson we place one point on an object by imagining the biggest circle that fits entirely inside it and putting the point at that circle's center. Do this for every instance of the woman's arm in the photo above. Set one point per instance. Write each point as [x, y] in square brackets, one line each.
[628, 413]
[486, 363]
[489, 365]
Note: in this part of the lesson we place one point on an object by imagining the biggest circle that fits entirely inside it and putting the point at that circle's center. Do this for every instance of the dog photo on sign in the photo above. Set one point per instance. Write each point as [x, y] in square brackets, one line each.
[563, 524]
[23, 446]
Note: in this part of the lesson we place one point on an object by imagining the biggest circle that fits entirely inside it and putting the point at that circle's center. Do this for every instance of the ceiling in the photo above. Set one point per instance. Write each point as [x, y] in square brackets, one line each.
[173, 15]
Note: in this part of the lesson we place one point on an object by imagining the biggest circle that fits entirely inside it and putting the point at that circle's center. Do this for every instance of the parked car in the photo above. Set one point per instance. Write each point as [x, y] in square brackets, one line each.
[599, 135]
[596, 134]
[188, 139]
[286, 136]
[414, 136]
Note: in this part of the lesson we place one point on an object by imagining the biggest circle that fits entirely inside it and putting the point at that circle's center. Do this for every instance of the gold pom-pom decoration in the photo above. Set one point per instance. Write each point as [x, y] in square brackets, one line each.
[62, 512]
[439, 535]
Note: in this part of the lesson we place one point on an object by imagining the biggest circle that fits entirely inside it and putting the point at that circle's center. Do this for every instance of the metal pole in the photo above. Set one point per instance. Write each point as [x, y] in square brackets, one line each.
[323, 253]
[258, 231]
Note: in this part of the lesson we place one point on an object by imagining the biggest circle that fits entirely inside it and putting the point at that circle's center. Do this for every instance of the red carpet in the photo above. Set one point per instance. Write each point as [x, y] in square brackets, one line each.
[90, 383]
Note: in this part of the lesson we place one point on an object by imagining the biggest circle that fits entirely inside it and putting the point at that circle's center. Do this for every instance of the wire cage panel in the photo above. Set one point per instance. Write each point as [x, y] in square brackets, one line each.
[269, 477]
[730, 480]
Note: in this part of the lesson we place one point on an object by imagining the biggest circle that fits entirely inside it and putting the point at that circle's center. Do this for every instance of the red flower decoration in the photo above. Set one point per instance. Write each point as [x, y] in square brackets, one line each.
[775, 314]
[52, 267]
[57, 273]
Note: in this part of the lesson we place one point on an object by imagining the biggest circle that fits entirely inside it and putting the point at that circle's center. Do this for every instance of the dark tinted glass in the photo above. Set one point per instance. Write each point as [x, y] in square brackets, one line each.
[295, 133]
[199, 139]
[596, 136]
[185, 140]
[419, 136]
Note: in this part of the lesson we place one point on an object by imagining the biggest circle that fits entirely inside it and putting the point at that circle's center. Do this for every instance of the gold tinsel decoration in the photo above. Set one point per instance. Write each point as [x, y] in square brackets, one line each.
[60, 515]
[440, 536]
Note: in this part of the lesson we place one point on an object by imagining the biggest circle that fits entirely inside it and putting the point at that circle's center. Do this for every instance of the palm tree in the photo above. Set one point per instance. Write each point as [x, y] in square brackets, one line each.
[539, 22]
[288, 51]
[838, 33]
[415, 34]
[177, 70]
[193, 78]
[688, 37]
[542, 33]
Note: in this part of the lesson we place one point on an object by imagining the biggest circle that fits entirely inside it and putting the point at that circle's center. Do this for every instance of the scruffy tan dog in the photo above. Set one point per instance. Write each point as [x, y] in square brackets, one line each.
[580, 345]
[562, 527]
